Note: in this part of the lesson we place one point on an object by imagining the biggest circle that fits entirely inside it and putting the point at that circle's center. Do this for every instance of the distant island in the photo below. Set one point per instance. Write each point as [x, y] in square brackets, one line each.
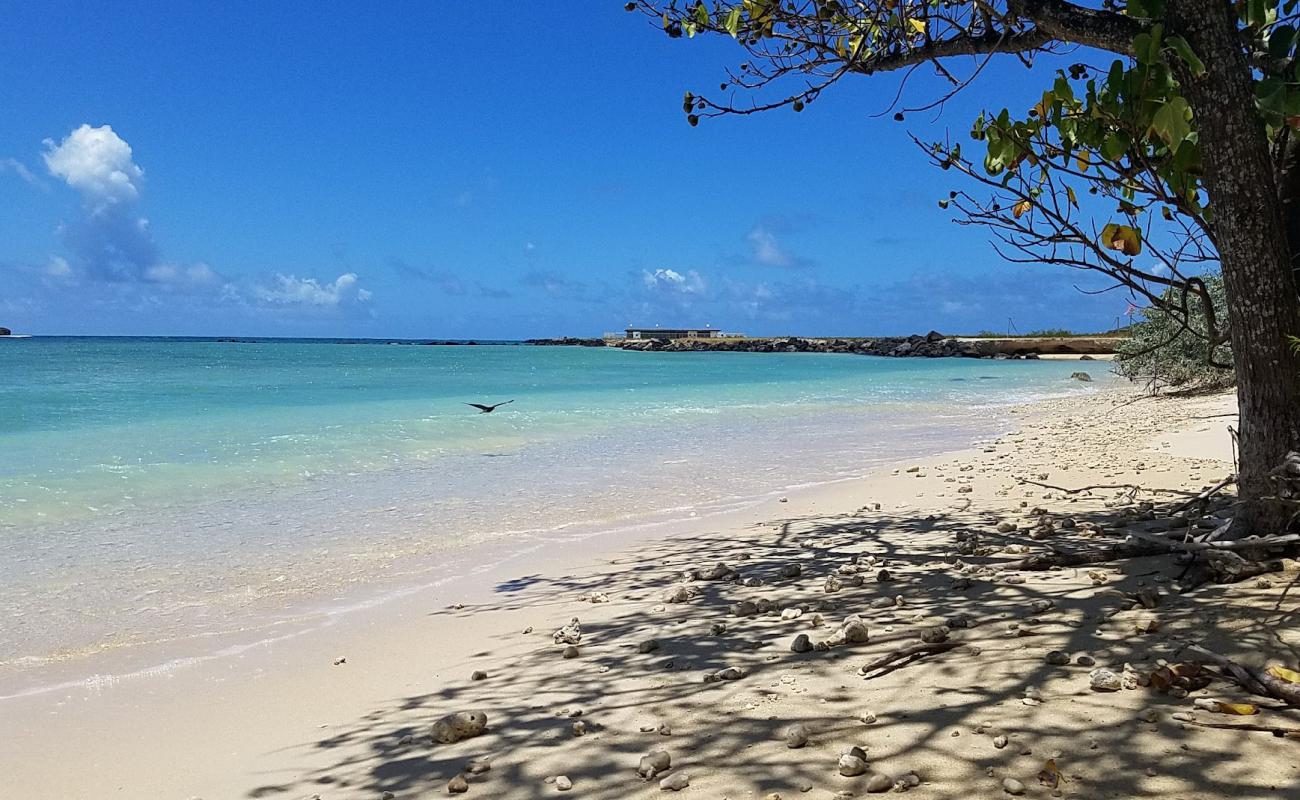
[6, 332]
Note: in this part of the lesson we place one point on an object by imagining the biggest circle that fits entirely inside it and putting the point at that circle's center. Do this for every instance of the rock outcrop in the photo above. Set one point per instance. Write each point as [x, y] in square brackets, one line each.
[931, 345]
[5, 332]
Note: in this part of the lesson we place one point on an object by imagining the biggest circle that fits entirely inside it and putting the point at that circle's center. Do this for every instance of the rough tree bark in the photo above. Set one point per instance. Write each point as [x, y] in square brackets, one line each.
[1263, 307]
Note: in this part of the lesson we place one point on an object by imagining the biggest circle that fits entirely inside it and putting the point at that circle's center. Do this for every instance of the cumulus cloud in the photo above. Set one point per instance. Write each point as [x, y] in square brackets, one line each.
[672, 280]
[290, 290]
[97, 163]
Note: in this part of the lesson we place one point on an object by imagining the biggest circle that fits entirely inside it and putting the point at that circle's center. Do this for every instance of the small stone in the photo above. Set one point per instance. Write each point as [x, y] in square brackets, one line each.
[563, 783]
[680, 594]
[1104, 680]
[675, 782]
[999, 742]
[579, 728]
[796, 736]
[339, 661]
[571, 652]
[1057, 658]
[801, 644]
[868, 718]
[1006, 527]
[457, 785]
[478, 675]
[478, 766]
[879, 782]
[1012, 786]
[569, 634]
[653, 763]
[455, 727]
[851, 765]
[1085, 661]
[791, 614]
[728, 674]
[1149, 715]
[648, 646]
[883, 576]
[791, 571]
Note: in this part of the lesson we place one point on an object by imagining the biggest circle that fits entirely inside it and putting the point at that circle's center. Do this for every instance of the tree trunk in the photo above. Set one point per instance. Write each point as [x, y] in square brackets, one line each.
[1263, 308]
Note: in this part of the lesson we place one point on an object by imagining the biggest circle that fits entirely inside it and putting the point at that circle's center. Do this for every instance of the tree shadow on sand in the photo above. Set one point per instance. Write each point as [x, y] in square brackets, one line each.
[937, 715]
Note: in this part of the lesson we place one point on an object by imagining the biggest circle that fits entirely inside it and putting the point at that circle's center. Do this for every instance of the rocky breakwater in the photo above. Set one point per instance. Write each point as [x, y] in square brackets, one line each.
[931, 345]
[567, 341]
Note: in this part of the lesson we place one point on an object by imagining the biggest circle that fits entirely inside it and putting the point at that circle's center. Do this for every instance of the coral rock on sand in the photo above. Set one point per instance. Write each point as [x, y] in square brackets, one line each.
[653, 763]
[569, 634]
[791, 571]
[563, 783]
[1012, 786]
[1104, 680]
[853, 762]
[801, 644]
[728, 674]
[571, 652]
[462, 725]
[675, 782]
[680, 594]
[879, 782]
[796, 735]
[457, 785]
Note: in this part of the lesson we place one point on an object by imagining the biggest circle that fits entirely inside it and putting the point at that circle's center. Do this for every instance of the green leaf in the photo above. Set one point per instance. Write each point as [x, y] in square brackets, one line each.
[1185, 52]
[733, 22]
[1170, 122]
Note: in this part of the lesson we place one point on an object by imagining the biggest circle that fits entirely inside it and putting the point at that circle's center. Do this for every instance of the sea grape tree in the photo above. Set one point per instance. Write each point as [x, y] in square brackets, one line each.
[1167, 148]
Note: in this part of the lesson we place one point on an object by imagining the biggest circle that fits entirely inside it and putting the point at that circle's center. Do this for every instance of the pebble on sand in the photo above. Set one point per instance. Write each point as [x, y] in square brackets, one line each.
[653, 763]
[457, 785]
[675, 782]
[1012, 786]
[796, 735]
[563, 783]
[458, 726]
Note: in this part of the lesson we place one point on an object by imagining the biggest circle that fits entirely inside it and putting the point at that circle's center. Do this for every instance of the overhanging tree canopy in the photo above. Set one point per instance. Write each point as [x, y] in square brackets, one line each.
[1190, 133]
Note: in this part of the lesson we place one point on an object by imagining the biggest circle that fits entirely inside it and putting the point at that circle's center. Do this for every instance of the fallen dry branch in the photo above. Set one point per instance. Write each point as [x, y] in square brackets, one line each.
[1276, 730]
[1207, 494]
[903, 655]
[1248, 543]
[1130, 486]
[1255, 681]
[1081, 558]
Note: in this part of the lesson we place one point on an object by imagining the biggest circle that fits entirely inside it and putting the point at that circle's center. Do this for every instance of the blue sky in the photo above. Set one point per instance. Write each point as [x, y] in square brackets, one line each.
[480, 170]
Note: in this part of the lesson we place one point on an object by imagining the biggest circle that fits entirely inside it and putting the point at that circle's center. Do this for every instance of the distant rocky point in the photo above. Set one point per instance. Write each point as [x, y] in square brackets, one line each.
[931, 345]
[6, 332]
[567, 341]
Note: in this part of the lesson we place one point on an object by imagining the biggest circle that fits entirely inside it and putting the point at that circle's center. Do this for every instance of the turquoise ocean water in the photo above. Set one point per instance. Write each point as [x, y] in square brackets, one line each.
[153, 490]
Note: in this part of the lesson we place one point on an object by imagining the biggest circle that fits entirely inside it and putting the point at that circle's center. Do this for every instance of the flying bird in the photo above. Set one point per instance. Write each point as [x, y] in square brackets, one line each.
[489, 409]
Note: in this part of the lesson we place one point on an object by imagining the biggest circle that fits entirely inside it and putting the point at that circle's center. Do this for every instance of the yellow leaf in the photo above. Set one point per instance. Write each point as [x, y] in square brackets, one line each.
[1069, 192]
[1240, 709]
[1049, 775]
[1083, 161]
[918, 25]
[1284, 674]
[1021, 208]
[1122, 238]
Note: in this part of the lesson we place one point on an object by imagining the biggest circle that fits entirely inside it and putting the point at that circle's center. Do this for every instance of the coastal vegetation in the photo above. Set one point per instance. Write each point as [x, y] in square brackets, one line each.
[1168, 350]
[1173, 160]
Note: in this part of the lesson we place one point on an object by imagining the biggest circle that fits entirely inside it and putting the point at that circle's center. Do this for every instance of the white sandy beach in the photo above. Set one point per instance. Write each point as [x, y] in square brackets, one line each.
[285, 720]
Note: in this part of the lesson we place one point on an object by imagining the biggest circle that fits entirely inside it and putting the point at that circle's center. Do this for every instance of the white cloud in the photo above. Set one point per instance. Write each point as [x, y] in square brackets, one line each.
[58, 267]
[97, 163]
[21, 170]
[690, 283]
[288, 290]
[198, 274]
[767, 250]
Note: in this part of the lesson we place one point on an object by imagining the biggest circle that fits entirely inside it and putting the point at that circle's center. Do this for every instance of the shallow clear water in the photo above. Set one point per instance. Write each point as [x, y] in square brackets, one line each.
[161, 489]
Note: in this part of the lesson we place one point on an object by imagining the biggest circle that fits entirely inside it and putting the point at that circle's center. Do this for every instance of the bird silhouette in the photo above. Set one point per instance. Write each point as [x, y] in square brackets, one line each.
[489, 409]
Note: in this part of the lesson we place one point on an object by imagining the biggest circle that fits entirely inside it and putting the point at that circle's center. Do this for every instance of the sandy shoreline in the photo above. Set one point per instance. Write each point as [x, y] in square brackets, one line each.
[283, 720]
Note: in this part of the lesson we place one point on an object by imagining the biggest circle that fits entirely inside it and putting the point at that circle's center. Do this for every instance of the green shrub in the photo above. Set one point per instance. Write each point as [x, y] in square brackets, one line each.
[1164, 353]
